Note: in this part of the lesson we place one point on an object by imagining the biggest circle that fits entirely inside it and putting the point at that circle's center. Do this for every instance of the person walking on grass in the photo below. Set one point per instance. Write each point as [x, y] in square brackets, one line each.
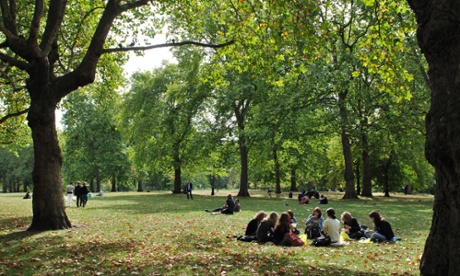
[189, 189]
[84, 194]
[77, 193]
[69, 192]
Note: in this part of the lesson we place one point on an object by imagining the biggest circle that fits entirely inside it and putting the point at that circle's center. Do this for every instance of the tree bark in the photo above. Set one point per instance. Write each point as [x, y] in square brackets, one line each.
[367, 184]
[277, 172]
[438, 37]
[139, 186]
[48, 198]
[294, 179]
[177, 173]
[244, 168]
[350, 191]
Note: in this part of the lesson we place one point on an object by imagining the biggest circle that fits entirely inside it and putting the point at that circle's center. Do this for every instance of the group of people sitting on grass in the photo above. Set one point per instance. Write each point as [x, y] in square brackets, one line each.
[273, 228]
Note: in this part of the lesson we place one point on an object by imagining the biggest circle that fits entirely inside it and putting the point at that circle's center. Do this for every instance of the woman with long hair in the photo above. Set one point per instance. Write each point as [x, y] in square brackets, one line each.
[382, 228]
[282, 227]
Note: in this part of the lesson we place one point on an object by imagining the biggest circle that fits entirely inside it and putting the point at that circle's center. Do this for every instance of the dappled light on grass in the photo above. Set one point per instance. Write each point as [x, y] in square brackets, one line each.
[163, 234]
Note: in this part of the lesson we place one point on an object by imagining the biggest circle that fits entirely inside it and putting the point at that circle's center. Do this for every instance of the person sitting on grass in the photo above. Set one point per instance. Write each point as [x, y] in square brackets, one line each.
[382, 228]
[322, 199]
[265, 229]
[293, 222]
[282, 227]
[315, 218]
[237, 205]
[227, 209]
[351, 226]
[251, 228]
[331, 226]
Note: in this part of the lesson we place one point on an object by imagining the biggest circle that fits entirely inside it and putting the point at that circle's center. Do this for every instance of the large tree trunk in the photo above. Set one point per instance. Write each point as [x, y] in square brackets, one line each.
[440, 42]
[177, 172]
[48, 198]
[439, 39]
[350, 191]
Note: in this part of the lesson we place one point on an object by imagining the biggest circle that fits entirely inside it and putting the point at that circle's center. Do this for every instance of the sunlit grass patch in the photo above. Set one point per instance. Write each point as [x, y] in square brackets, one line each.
[165, 234]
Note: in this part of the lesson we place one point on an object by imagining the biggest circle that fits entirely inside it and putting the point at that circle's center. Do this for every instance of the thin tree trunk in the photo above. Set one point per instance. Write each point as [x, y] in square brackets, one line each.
[244, 168]
[294, 179]
[358, 175]
[114, 183]
[277, 172]
[177, 172]
[139, 186]
[367, 184]
[213, 184]
[47, 203]
[350, 191]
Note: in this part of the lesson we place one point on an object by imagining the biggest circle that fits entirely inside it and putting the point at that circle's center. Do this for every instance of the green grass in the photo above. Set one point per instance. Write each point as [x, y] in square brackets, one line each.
[164, 234]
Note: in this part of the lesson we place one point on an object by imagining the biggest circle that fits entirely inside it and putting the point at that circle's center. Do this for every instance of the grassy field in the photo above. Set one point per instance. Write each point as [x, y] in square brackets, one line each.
[164, 234]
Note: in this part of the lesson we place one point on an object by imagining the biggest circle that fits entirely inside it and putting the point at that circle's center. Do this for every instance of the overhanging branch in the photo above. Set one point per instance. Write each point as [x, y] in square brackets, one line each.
[164, 45]
[11, 115]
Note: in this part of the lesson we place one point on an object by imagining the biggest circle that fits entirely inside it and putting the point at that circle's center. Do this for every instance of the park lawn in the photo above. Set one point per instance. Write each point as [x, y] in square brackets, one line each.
[159, 233]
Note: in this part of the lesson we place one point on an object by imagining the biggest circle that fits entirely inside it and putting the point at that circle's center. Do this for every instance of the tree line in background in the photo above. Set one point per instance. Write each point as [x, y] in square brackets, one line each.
[343, 110]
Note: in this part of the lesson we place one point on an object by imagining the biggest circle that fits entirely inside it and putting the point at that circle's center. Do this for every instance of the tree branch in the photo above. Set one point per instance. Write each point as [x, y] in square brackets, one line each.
[173, 44]
[15, 62]
[53, 24]
[35, 23]
[19, 113]
[8, 17]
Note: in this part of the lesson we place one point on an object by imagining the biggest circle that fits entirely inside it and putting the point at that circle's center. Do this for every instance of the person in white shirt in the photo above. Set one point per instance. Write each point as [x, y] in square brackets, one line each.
[70, 190]
[331, 226]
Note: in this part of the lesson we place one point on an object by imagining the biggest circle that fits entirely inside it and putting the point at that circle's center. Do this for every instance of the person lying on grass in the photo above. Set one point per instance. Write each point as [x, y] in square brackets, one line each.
[227, 209]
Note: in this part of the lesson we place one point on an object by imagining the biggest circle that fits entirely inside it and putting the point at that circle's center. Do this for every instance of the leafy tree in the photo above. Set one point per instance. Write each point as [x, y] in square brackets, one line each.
[52, 57]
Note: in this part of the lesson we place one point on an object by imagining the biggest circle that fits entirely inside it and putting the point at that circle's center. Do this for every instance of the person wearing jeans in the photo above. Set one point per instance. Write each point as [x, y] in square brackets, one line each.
[382, 228]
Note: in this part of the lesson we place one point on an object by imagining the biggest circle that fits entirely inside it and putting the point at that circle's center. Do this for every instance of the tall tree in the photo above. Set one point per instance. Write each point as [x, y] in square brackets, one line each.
[440, 43]
[47, 44]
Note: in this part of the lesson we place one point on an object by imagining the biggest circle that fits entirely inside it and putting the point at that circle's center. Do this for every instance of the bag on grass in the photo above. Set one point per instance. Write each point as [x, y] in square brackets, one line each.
[292, 239]
[312, 231]
[322, 241]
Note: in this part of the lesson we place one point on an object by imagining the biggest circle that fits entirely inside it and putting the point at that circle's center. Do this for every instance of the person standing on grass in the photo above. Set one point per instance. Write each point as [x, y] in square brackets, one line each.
[69, 192]
[77, 193]
[84, 194]
[189, 190]
[382, 228]
[331, 226]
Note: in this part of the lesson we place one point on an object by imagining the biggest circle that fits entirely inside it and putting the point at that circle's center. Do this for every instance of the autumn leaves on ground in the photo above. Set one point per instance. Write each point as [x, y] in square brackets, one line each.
[165, 234]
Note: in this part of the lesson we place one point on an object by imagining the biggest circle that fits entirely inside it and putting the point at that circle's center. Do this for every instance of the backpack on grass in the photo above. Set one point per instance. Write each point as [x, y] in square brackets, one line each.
[312, 231]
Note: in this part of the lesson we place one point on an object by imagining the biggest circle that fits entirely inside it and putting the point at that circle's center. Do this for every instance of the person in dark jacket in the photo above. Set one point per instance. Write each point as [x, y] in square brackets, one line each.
[282, 227]
[251, 228]
[265, 230]
[382, 228]
[227, 209]
[351, 226]
[84, 194]
[77, 193]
